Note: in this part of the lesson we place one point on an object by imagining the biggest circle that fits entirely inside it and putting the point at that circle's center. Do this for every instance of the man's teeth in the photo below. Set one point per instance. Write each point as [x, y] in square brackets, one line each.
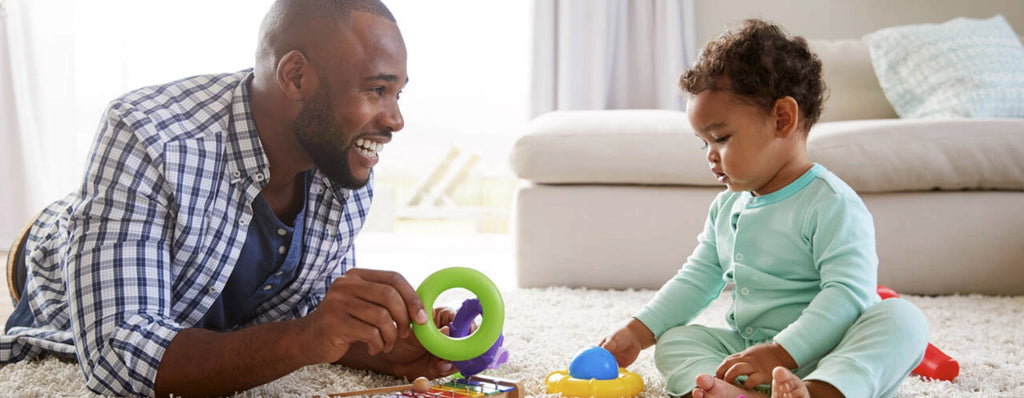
[369, 148]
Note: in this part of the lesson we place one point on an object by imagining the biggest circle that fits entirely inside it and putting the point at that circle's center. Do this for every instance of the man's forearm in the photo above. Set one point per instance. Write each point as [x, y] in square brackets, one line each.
[358, 357]
[201, 362]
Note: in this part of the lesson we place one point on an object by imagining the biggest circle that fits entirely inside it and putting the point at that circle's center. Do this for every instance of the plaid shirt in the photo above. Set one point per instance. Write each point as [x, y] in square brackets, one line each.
[147, 244]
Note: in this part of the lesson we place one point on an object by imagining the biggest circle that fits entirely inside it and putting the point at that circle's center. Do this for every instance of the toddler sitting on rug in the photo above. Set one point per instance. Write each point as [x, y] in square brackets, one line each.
[796, 241]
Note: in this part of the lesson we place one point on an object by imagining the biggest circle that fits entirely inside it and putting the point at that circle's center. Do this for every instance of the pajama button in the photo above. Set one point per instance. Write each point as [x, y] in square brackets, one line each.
[739, 256]
[281, 231]
[744, 291]
[747, 330]
[282, 249]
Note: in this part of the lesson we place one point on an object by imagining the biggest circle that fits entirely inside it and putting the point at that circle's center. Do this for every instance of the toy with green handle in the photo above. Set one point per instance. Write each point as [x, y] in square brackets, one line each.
[493, 308]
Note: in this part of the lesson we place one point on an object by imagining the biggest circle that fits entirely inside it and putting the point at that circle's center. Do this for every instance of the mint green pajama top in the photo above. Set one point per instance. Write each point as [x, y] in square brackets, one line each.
[802, 259]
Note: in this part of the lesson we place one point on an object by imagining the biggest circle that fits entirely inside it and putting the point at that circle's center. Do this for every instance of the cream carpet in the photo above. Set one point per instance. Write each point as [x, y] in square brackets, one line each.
[545, 328]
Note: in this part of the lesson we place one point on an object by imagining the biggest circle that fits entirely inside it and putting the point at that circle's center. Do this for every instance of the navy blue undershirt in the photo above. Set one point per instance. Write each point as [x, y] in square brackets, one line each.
[268, 262]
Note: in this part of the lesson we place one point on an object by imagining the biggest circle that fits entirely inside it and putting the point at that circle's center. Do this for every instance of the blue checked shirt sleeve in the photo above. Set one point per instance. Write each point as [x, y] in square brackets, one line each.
[118, 268]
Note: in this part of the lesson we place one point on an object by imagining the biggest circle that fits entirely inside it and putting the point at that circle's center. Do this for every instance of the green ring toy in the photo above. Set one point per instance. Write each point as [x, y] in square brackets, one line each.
[479, 342]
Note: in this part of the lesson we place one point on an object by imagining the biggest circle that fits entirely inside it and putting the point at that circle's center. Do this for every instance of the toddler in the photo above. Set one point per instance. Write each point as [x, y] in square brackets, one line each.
[797, 243]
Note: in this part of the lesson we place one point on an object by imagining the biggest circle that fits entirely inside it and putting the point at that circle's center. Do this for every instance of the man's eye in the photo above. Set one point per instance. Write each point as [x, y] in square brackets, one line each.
[379, 90]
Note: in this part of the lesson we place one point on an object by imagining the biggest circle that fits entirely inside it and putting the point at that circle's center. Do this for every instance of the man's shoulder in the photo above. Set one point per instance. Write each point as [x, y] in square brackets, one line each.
[184, 97]
[187, 108]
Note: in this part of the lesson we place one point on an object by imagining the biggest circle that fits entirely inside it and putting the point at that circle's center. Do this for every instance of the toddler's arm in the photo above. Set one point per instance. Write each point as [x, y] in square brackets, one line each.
[627, 342]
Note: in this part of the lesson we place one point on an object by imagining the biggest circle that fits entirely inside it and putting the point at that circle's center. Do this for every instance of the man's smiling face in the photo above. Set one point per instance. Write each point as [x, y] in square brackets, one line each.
[345, 125]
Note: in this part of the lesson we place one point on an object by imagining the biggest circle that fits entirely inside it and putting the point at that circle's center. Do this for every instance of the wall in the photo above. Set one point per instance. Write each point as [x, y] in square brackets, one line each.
[841, 19]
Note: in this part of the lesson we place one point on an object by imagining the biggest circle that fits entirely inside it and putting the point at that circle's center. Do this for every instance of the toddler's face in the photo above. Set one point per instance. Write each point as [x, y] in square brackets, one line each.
[742, 149]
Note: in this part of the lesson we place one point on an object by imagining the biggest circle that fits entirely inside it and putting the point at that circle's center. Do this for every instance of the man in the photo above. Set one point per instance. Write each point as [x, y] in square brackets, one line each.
[207, 249]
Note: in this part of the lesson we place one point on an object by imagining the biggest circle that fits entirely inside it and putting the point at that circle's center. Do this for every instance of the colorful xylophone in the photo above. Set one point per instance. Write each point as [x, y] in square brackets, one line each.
[473, 387]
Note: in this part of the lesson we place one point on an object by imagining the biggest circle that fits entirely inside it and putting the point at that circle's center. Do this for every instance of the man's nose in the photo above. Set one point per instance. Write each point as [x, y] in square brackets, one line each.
[392, 117]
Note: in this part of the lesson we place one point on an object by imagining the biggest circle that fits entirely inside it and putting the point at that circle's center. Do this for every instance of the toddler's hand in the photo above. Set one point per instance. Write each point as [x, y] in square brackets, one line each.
[627, 342]
[756, 363]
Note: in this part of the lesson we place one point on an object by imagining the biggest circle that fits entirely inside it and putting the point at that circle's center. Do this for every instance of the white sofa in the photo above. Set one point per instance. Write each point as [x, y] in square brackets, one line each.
[615, 199]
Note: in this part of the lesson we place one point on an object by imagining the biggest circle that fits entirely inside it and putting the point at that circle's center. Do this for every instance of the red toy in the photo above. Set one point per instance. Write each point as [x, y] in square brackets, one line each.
[936, 364]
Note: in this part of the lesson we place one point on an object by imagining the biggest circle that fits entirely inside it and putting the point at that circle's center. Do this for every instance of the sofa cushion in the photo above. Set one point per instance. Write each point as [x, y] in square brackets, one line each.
[649, 147]
[896, 155]
[658, 147]
[853, 90]
[961, 68]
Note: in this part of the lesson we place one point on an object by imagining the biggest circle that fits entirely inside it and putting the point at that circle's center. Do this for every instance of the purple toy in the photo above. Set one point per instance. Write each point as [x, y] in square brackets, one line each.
[461, 326]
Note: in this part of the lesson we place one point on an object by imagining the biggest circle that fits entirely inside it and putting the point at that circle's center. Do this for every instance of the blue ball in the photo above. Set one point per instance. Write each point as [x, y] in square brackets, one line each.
[594, 363]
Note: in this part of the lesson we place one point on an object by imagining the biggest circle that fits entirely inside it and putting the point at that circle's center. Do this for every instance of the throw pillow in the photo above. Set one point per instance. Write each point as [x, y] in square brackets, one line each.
[961, 68]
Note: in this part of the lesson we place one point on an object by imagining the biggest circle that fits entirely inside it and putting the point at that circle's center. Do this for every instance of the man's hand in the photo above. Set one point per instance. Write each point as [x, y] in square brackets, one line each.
[370, 307]
[756, 363]
[407, 358]
[627, 342]
[363, 311]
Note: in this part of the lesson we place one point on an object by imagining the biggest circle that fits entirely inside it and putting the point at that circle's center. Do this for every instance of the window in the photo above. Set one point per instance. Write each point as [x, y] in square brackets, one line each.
[467, 98]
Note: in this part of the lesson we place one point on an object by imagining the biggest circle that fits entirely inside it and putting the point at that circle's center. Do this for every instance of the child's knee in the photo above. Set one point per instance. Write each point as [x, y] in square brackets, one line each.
[683, 352]
[687, 341]
[904, 317]
[903, 312]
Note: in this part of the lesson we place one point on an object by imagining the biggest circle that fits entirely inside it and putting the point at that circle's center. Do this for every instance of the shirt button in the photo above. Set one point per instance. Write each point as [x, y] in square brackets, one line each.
[739, 256]
[267, 287]
[744, 291]
[236, 173]
[242, 221]
[211, 289]
[259, 177]
[281, 231]
[748, 330]
[279, 273]
[282, 250]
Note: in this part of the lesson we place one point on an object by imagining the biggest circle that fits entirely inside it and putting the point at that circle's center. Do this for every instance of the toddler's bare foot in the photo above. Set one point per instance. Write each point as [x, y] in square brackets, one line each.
[710, 387]
[785, 384]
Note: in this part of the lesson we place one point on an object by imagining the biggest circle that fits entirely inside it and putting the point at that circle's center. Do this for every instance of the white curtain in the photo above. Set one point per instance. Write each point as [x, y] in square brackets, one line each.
[610, 54]
[63, 61]
[22, 91]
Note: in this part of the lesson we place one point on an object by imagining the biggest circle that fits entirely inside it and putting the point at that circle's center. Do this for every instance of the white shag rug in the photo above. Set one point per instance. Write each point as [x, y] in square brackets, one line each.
[545, 328]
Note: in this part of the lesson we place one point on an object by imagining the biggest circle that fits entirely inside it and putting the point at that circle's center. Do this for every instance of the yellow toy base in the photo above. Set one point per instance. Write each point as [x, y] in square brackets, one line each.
[628, 384]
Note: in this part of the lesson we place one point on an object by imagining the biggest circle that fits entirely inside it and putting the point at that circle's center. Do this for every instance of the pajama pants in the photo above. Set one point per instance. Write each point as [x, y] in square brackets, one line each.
[871, 360]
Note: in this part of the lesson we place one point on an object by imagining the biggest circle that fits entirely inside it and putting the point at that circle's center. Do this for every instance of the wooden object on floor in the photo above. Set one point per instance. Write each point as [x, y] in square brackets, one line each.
[475, 386]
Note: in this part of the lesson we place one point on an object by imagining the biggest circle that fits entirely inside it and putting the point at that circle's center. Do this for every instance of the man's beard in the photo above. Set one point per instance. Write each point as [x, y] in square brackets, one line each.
[324, 141]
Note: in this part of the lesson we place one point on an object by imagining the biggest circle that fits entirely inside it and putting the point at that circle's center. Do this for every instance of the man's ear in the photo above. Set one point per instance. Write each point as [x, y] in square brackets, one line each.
[787, 116]
[296, 77]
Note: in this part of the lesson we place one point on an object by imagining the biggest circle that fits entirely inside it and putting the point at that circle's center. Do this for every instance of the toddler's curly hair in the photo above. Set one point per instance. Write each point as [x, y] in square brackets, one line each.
[762, 64]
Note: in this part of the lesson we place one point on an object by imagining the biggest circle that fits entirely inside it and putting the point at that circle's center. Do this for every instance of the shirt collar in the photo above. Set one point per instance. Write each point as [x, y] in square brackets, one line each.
[246, 158]
[787, 191]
